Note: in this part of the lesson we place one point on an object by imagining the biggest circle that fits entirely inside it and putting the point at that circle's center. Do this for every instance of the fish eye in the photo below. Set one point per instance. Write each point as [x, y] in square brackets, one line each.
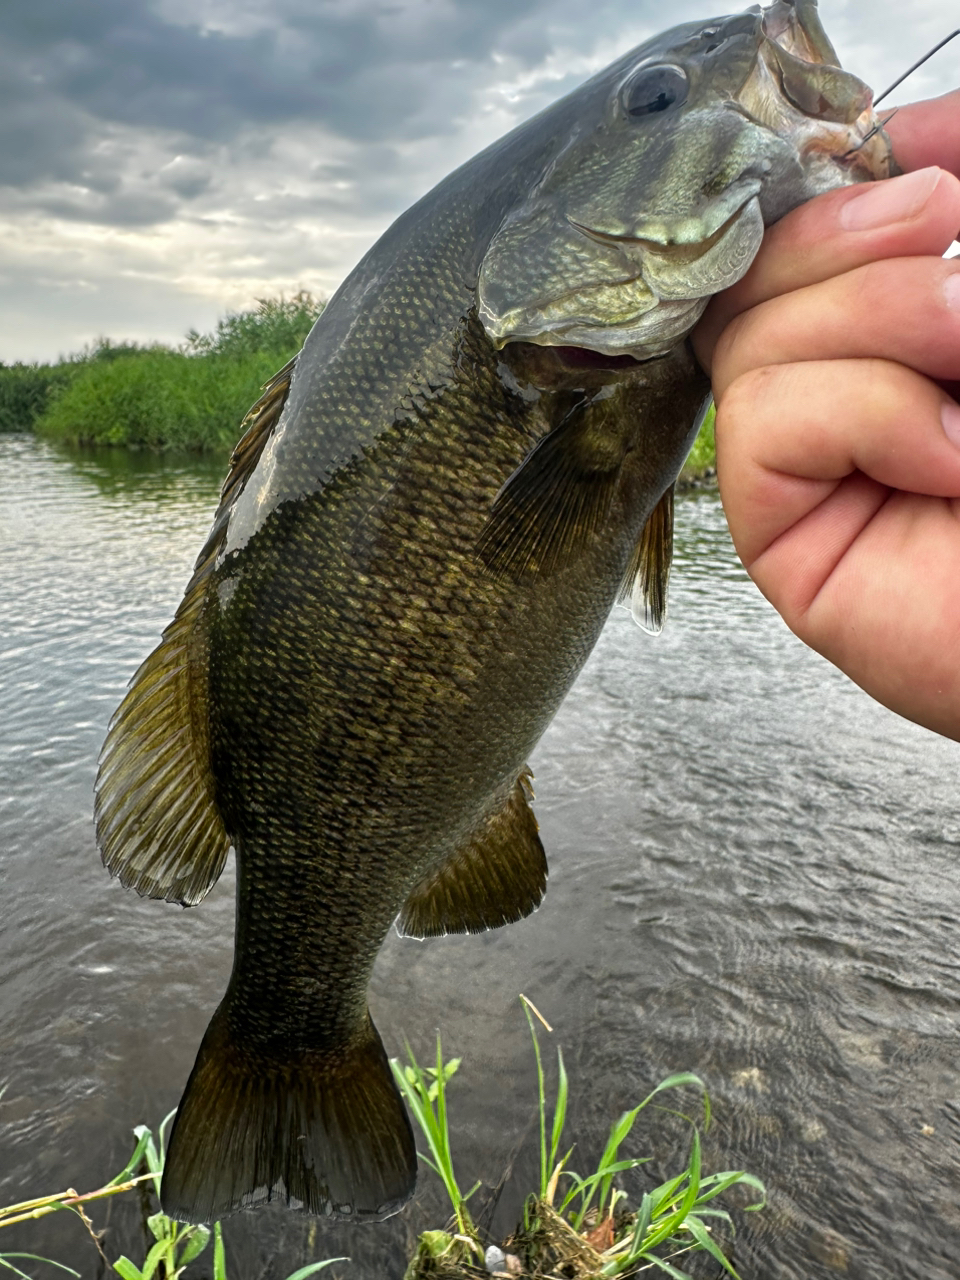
[655, 89]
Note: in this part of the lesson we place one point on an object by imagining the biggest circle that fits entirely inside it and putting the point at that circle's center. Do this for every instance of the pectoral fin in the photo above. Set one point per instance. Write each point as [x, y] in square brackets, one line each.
[645, 582]
[498, 877]
[555, 502]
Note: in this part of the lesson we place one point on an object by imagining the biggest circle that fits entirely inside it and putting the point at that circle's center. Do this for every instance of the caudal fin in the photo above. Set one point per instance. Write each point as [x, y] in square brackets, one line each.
[326, 1132]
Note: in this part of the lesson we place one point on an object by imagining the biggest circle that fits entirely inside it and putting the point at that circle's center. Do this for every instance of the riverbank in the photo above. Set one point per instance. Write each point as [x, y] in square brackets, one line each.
[192, 397]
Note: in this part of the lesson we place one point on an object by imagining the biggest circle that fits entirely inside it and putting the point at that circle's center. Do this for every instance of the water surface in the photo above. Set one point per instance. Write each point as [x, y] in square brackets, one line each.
[753, 876]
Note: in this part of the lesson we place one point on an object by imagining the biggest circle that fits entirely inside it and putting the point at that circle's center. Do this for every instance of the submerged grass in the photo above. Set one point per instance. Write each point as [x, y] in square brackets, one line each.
[575, 1227]
[175, 1244]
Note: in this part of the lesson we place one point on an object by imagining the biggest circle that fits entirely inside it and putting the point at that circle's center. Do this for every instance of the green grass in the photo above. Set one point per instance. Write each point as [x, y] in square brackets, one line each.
[159, 399]
[174, 1244]
[156, 397]
[704, 452]
[580, 1224]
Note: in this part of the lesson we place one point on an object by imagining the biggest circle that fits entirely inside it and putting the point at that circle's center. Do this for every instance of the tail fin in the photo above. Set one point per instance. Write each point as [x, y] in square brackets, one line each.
[324, 1131]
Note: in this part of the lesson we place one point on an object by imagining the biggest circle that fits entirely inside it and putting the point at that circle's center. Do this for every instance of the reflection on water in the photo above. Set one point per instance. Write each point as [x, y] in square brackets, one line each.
[752, 876]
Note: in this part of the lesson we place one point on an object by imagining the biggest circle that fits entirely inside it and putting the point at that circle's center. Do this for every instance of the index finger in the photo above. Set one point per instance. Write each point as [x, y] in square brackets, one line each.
[928, 133]
[917, 214]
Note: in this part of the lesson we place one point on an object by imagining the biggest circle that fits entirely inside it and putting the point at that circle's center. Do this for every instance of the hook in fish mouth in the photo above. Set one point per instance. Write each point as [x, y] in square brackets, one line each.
[799, 90]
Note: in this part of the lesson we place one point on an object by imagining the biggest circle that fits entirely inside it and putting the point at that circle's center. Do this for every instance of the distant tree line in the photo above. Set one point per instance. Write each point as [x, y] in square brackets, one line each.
[191, 397]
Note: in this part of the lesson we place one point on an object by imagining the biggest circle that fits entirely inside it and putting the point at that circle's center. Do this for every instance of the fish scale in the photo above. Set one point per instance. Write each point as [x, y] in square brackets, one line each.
[424, 529]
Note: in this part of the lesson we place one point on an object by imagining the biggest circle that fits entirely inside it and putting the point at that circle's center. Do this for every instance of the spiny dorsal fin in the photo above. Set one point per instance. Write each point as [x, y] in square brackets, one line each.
[158, 826]
[645, 582]
[259, 424]
[498, 877]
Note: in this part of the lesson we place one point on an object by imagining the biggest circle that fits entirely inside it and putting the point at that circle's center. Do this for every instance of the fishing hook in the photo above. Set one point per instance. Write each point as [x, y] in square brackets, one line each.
[867, 136]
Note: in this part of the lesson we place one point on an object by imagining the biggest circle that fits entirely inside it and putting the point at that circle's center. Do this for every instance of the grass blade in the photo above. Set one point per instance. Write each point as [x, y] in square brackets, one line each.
[706, 1241]
[34, 1257]
[559, 1112]
[219, 1254]
[313, 1267]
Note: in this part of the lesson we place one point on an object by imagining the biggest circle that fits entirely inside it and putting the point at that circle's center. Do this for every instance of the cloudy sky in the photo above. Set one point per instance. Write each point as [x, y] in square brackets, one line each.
[164, 161]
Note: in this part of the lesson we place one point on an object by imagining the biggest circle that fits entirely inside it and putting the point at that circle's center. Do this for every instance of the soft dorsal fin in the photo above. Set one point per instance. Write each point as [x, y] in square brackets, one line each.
[495, 878]
[158, 825]
[645, 582]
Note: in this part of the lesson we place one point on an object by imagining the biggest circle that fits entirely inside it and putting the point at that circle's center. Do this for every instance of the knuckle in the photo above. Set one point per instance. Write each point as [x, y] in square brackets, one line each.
[740, 399]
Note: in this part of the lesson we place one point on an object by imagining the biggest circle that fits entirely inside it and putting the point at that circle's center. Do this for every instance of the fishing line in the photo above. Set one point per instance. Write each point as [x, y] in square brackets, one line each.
[872, 134]
[936, 49]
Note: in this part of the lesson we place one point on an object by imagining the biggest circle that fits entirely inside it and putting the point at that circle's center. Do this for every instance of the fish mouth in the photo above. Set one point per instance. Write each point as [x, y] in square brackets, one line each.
[667, 278]
[798, 89]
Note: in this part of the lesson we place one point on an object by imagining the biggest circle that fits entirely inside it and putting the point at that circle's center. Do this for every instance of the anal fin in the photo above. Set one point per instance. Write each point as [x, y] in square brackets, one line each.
[498, 877]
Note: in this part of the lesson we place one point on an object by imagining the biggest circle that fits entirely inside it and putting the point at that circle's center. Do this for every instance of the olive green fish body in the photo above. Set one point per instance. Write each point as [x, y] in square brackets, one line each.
[374, 689]
[423, 531]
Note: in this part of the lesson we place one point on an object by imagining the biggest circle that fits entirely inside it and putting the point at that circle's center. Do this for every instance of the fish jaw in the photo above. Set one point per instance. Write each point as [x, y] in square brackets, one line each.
[798, 90]
[622, 243]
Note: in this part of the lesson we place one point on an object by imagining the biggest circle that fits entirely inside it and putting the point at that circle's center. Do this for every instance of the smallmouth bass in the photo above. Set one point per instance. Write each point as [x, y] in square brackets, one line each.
[422, 533]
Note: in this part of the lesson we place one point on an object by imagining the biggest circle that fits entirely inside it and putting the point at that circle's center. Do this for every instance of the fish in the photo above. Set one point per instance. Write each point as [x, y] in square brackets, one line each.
[424, 528]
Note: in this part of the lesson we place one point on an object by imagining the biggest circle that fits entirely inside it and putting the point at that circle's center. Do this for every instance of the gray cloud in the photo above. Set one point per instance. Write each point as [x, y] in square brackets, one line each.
[212, 137]
[206, 73]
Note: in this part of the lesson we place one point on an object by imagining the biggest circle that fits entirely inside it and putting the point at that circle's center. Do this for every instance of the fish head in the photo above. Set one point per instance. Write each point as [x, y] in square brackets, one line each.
[677, 157]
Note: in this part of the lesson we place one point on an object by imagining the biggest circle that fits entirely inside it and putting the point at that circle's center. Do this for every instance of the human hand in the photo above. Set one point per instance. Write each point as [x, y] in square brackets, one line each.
[835, 363]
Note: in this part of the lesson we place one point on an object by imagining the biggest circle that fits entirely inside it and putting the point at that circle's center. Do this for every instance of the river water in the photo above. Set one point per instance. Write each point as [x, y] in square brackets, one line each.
[753, 876]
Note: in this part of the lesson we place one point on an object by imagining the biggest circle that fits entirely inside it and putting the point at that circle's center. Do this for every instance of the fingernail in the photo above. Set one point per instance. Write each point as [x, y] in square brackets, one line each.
[950, 417]
[951, 289]
[892, 200]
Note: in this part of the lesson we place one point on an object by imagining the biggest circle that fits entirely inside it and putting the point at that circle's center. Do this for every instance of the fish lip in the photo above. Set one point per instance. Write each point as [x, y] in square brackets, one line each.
[751, 187]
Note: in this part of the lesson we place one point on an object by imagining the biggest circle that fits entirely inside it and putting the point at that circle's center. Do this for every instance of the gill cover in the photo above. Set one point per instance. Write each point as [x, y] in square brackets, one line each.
[705, 135]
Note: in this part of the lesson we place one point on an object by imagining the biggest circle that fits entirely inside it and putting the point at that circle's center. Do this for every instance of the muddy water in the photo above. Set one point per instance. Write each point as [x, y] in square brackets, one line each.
[753, 876]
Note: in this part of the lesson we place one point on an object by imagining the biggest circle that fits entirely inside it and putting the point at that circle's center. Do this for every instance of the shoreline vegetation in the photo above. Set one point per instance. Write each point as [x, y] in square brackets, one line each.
[192, 397]
[573, 1227]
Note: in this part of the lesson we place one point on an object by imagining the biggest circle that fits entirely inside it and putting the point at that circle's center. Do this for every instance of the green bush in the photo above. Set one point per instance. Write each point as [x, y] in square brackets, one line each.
[277, 325]
[27, 389]
[159, 398]
[194, 398]
[704, 452]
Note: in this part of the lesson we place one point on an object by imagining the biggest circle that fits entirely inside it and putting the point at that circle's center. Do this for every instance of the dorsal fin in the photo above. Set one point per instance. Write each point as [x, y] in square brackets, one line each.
[158, 825]
[259, 424]
[645, 582]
